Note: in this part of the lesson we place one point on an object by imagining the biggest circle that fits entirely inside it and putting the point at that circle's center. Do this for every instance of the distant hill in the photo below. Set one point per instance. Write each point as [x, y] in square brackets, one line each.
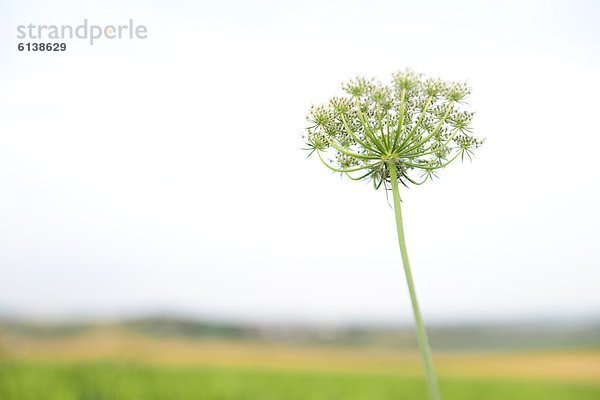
[505, 336]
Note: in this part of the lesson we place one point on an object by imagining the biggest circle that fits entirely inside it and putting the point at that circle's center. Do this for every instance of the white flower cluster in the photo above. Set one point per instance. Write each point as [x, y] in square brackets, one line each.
[419, 125]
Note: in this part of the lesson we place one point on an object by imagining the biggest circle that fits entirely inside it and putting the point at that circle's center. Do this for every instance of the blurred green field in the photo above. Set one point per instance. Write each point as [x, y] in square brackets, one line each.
[104, 381]
[114, 363]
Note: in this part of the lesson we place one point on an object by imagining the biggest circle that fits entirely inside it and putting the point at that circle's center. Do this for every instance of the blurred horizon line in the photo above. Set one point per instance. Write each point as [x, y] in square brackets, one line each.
[95, 318]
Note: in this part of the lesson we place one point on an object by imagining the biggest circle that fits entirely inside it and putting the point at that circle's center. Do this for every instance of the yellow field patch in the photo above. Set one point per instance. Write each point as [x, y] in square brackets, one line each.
[119, 345]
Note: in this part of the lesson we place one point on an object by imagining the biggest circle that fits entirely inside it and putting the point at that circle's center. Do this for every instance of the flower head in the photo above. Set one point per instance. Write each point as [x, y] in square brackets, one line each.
[417, 125]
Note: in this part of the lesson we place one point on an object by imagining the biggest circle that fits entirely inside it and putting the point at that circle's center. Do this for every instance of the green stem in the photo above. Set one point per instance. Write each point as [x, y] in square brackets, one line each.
[434, 391]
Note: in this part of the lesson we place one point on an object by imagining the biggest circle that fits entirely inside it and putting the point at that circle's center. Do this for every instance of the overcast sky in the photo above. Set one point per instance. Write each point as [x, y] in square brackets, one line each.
[166, 174]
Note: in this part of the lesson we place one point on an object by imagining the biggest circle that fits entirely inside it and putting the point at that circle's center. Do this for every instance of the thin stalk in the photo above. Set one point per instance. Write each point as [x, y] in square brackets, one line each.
[434, 391]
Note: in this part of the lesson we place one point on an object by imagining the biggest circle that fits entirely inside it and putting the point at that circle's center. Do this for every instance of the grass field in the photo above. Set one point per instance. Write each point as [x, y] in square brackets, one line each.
[102, 381]
[113, 364]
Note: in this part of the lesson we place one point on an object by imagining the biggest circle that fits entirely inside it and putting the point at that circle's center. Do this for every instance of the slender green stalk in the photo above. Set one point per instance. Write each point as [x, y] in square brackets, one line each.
[434, 391]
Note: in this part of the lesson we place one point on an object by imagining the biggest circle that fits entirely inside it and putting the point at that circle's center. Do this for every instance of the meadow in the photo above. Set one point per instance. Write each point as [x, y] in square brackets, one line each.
[104, 381]
[103, 364]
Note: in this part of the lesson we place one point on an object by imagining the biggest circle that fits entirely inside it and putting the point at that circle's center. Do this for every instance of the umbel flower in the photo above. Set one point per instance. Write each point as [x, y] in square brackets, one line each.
[402, 133]
[417, 125]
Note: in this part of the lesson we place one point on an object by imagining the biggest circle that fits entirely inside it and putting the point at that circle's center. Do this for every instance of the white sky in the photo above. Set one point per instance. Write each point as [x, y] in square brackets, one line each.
[166, 174]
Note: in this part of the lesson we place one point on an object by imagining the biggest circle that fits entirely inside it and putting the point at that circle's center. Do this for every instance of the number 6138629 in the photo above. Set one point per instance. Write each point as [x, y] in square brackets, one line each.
[34, 46]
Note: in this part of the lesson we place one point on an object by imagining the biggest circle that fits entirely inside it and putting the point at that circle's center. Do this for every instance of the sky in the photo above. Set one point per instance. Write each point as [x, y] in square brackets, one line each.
[167, 175]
